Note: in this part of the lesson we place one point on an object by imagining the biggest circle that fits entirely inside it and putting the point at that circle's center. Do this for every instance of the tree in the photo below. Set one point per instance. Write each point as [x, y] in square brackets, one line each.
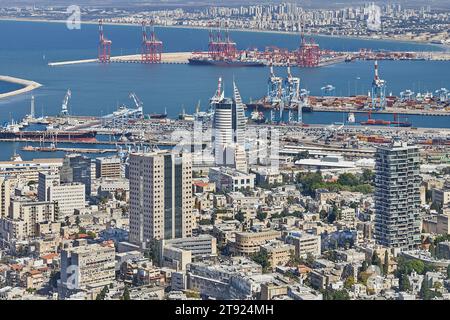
[404, 284]
[425, 292]
[102, 294]
[432, 250]
[261, 215]
[348, 179]
[448, 271]
[386, 263]
[126, 294]
[262, 259]
[376, 261]
[240, 216]
[67, 221]
[349, 282]
[77, 220]
[367, 175]
[364, 266]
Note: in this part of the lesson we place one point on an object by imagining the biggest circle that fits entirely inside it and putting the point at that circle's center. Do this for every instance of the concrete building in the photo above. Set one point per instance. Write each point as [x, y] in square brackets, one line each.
[177, 253]
[29, 170]
[397, 196]
[5, 196]
[78, 168]
[68, 196]
[278, 253]
[24, 218]
[108, 167]
[305, 244]
[440, 196]
[248, 243]
[84, 267]
[160, 196]
[230, 179]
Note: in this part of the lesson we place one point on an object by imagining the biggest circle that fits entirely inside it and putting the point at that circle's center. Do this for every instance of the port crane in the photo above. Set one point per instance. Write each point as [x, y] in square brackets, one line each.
[65, 103]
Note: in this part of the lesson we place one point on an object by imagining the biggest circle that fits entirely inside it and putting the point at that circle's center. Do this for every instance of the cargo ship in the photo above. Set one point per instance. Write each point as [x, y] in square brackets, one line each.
[203, 61]
[380, 122]
[49, 135]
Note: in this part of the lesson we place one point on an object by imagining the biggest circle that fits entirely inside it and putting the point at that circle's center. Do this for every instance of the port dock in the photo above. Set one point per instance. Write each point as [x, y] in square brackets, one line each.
[166, 58]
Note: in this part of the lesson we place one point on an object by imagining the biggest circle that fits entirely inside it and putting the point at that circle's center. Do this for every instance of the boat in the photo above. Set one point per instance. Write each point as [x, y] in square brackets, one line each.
[159, 115]
[42, 135]
[351, 117]
[380, 122]
[203, 61]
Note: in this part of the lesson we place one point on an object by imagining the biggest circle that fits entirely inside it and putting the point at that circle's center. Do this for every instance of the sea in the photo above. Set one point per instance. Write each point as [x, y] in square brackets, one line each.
[98, 89]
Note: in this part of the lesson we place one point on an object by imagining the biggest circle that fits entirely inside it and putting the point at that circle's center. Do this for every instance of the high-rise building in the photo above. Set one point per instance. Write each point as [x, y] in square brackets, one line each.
[397, 196]
[108, 167]
[78, 168]
[5, 194]
[160, 196]
[228, 128]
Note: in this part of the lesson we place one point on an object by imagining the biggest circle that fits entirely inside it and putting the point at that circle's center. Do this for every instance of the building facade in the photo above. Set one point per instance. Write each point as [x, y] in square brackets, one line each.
[397, 196]
[160, 196]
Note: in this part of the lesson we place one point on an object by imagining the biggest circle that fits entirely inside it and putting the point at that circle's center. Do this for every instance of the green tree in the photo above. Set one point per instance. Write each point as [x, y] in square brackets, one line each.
[348, 179]
[386, 263]
[240, 216]
[126, 294]
[448, 271]
[102, 294]
[403, 282]
[367, 175]
[349, 282]
[376, 261]
[425, 292]
[77, 220]
[262, 259]
[261, 215]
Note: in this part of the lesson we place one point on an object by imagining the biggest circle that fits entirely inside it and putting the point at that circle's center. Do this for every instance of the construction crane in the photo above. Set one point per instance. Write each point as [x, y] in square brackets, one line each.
[65, 103]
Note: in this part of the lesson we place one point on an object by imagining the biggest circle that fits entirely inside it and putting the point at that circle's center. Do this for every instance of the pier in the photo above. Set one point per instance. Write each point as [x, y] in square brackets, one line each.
[166, 58]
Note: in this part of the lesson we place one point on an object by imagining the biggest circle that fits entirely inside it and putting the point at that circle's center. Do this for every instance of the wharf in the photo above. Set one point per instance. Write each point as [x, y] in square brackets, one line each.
[166, 58]
[70, 150]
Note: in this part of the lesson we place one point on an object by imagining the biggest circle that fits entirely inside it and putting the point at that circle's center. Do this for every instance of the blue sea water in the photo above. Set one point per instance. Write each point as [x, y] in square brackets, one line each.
[98, 89]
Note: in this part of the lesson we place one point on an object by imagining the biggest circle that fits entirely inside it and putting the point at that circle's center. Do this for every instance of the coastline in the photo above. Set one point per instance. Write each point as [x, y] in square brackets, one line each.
[366, 38]
[28, 86]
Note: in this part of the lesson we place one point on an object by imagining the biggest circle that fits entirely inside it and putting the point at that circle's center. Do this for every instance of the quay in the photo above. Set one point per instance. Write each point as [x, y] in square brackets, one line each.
[70, 150]
[166, 58]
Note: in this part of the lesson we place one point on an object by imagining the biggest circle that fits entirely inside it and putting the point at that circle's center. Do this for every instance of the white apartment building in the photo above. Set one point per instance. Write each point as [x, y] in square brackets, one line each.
[160, 196]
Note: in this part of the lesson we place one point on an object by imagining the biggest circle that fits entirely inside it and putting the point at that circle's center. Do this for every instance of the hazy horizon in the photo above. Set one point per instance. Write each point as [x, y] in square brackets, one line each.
[201, 3]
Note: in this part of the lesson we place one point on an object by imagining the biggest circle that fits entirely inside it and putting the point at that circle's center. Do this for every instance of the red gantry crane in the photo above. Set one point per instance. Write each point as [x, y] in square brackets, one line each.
[309, 53]
[104, 45]
[151, 47]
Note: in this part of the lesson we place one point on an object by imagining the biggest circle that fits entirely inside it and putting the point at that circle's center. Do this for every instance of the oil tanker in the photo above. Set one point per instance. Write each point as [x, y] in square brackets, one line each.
[53, 135]
[225, 62]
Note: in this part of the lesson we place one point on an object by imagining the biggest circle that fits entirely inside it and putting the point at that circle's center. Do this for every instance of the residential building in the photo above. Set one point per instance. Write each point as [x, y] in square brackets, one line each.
[160, 196]
[108, 167]
[231, 179]
[86, 266]
[397, 196]
[248, 243]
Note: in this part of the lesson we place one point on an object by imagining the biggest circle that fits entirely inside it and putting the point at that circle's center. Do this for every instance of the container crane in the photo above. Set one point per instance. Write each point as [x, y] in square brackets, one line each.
[65, 103]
